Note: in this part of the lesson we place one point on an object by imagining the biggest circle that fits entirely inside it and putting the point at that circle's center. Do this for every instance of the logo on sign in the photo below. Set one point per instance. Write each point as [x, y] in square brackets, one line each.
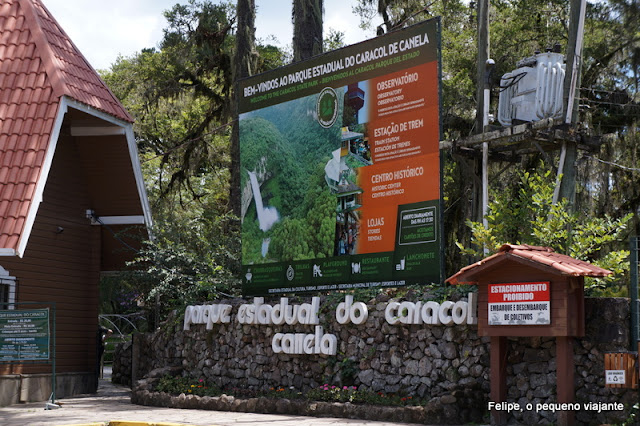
[327, 107]
[291, 273]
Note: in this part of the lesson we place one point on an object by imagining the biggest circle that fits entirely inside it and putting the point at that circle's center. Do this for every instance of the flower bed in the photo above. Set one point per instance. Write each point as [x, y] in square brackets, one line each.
[325, 401]
[326, 393]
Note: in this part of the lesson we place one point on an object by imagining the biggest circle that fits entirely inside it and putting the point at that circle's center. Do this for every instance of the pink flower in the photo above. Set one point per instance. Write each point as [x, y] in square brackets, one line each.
[345, 387]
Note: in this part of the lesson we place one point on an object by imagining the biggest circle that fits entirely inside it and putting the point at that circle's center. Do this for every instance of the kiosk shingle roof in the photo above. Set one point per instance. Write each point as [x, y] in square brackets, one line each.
[565, 265]
[38, 66]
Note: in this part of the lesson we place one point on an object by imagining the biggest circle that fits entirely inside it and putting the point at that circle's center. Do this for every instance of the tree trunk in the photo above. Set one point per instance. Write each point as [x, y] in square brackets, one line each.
[307, 28]
[244, 65]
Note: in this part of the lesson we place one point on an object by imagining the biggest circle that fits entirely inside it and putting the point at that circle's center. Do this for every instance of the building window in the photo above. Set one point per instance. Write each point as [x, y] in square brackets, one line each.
[7, 290]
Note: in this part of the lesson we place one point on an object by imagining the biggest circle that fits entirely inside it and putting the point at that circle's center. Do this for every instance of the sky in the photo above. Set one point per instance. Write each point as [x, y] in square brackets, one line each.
[102, 30]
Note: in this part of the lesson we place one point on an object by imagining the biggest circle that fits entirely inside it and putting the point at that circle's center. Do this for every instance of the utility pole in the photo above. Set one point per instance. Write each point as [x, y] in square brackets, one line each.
[566, 186]
[482, 95]
[567, 167]
[483, 56]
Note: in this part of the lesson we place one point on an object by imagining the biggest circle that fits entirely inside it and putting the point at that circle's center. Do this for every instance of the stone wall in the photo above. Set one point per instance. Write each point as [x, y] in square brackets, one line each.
[448, 366]
[122, 358]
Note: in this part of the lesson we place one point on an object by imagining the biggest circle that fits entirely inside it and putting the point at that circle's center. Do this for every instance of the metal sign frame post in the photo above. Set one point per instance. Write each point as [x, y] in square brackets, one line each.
[633, 292]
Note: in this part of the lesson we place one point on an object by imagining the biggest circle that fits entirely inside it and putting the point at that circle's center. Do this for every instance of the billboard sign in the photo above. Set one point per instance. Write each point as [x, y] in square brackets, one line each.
[340, 168]
[519, 304]
[24, 335]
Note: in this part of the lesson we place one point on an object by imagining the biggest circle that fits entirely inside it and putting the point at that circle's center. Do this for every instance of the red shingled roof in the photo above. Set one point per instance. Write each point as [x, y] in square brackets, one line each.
[564, 264]
[38, 66]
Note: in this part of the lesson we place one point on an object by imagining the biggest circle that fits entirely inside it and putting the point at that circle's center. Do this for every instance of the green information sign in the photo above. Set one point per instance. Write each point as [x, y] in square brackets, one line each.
[24, 335]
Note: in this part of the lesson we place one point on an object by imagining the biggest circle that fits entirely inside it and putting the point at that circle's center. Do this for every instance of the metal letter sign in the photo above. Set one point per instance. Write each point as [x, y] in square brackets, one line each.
[24, 335]
[340, 168]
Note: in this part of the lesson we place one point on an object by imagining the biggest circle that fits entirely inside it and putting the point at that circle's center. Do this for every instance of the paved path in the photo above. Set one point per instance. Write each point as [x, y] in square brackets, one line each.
[113, 403]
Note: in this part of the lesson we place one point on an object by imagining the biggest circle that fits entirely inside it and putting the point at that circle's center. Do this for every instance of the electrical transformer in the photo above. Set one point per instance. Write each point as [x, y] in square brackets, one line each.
[533, 91]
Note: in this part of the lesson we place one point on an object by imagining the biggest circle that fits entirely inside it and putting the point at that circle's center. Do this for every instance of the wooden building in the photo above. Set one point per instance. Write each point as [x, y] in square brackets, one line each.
[69, 178]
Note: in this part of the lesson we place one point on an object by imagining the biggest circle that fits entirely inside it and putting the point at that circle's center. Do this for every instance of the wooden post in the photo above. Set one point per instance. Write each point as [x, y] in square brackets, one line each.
[577, 10]
[498, 361]
[135, 359]
[564, 374]
[571, 86]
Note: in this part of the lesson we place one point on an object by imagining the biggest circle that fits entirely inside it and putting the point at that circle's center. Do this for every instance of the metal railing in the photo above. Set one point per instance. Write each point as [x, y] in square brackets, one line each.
[123, 326]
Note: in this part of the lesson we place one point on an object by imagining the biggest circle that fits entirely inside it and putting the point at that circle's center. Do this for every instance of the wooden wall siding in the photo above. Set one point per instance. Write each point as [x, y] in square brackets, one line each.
[109, 174]
[115, 254]
[63, 267]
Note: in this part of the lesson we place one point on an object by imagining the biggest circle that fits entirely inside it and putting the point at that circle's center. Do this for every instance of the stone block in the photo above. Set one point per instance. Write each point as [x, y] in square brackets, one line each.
[366, 377]
[448, 350]
[411, 367]
[538, 380]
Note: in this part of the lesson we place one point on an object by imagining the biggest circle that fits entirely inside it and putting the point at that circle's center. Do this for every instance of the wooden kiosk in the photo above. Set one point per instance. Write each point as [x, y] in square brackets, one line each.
[529, 291]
